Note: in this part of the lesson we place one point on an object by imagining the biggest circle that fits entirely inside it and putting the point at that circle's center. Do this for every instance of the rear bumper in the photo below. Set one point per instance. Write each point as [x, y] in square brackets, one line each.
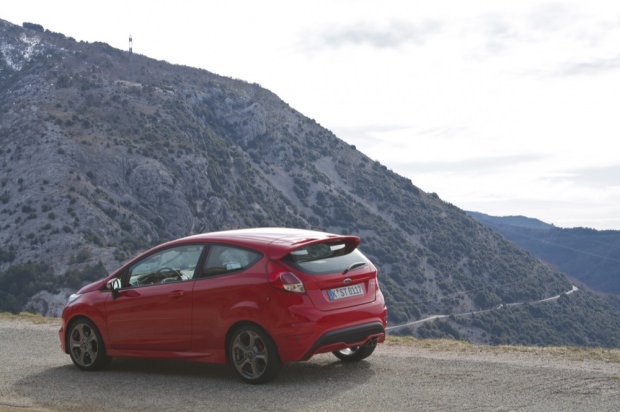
[307, 331]
[347, 337]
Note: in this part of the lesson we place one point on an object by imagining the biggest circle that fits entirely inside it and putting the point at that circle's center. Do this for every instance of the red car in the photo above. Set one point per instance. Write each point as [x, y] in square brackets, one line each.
[255, 298]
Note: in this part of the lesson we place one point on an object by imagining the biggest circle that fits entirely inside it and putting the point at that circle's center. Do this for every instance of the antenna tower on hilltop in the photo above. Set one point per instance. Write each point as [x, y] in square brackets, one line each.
[130, 45]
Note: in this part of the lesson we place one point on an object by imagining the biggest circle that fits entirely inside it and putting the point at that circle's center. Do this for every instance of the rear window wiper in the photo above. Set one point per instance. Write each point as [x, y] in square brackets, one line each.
[354, 265]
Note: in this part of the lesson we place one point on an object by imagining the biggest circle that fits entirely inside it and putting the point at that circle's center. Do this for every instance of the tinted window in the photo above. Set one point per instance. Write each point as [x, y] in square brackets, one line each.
[224, 258]
[325, 258]
[169, 265]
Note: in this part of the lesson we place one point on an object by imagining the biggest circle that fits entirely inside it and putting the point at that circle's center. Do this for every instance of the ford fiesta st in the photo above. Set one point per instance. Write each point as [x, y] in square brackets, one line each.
[253, 298]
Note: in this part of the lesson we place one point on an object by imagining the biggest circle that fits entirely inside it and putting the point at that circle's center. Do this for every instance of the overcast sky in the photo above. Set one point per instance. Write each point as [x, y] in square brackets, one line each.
[506, 108]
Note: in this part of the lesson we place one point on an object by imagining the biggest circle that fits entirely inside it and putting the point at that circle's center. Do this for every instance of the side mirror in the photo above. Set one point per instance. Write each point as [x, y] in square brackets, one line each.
[114, 285]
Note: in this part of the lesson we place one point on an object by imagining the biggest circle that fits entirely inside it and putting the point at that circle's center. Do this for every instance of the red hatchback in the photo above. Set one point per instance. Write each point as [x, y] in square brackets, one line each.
[255, 298]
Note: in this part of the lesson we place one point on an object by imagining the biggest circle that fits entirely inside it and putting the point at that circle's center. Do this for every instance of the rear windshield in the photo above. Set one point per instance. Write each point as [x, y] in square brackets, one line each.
[325, 258]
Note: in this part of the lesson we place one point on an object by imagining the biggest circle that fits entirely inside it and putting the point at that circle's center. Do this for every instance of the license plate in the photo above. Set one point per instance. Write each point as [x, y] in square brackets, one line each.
[345, 292]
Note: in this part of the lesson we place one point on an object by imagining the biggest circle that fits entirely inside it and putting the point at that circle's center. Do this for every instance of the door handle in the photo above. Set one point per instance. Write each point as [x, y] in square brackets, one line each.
[177, 294]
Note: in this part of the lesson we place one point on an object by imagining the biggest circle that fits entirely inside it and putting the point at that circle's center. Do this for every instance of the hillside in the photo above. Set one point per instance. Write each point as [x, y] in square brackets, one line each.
[105, 153]
[588, 255]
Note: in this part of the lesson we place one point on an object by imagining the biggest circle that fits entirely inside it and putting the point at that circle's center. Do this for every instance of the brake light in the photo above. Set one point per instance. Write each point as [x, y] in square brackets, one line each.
[284, 280]
[292, 283]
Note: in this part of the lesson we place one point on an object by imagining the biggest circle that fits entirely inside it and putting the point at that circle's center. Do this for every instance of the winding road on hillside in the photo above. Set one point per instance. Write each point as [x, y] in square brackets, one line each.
[402, 375]
[501, 306]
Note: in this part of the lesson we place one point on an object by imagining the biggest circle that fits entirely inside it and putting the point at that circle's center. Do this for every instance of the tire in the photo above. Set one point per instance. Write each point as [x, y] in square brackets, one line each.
[86, 346]
[356, 353]
[253, 355]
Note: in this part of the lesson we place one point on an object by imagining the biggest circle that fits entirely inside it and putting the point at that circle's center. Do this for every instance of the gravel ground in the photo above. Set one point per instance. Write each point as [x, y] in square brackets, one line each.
[400, 376]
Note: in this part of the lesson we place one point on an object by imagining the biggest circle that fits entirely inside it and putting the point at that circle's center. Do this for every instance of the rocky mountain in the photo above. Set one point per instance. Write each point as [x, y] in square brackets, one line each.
[588, 255]
[104, 153]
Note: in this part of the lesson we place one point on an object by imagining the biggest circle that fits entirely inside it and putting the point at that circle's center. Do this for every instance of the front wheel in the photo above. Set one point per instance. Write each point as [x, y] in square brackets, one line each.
[356, 353]
[86, 346]
[254, 355]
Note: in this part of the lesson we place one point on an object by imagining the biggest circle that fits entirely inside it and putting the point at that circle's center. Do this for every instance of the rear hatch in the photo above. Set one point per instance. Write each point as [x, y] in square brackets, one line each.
[335, 274]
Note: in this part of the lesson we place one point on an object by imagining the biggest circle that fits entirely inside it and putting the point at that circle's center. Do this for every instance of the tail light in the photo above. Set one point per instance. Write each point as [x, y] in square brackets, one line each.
[282, 279]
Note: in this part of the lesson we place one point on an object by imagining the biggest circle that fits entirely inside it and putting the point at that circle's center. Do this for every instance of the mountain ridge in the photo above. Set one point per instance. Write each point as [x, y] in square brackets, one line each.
[587, 255]
[106, 153]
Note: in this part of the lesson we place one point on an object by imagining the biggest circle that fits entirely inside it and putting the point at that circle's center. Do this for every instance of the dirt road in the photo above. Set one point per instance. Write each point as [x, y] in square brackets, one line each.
[404, 376]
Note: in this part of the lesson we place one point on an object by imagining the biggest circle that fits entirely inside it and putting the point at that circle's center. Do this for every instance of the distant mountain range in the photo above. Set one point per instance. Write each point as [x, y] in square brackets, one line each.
[104, 153]
[588, 255]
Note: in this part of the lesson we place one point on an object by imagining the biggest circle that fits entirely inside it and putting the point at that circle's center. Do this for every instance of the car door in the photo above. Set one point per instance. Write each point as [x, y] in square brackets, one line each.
[153, 309]
[226, 287]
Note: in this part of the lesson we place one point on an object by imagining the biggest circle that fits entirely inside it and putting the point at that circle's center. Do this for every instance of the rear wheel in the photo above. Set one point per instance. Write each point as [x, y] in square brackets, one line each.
[356, 353]
[86, 346]
[254, 355]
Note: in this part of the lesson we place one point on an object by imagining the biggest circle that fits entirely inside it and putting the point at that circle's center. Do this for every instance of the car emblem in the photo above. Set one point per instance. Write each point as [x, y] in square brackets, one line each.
[347, 280]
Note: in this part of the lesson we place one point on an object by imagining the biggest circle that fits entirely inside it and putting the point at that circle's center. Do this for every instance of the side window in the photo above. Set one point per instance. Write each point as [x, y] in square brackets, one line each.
[224, 259]
[174, 264]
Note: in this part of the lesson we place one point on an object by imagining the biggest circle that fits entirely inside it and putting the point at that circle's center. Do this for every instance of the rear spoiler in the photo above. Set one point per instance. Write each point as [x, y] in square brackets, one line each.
[280, 249]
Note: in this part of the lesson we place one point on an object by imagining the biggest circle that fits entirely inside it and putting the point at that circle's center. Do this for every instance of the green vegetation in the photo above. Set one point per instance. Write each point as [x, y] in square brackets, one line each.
[567, 321]
[589, 255]
[18, 283]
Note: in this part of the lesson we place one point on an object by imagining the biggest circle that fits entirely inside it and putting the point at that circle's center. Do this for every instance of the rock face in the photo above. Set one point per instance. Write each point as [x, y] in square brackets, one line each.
[102, 149]
[104, 153]
[48, 304]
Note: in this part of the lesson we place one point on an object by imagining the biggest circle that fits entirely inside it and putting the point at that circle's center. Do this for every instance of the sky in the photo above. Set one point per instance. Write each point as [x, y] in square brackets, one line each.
[505, 108]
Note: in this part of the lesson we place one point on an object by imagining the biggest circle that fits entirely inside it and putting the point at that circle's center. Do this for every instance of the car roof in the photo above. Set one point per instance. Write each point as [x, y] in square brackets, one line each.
[275, 241]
